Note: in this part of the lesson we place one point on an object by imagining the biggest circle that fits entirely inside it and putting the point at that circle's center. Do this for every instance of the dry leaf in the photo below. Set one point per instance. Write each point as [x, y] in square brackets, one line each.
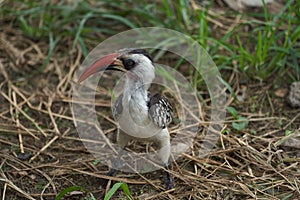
[281, 92]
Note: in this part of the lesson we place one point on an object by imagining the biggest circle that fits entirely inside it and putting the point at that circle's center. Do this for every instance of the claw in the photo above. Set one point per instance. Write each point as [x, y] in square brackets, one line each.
[112, 172]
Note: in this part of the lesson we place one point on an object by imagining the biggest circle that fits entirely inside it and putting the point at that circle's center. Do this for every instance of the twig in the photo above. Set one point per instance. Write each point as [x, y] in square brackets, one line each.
[4, 191]
[48, 105]
[285, 138]
[294, 118]
[159, 194]
[23, 113]
[18, 123]
[13, 186]
[44, 189]
[44, 148]
[125, 180]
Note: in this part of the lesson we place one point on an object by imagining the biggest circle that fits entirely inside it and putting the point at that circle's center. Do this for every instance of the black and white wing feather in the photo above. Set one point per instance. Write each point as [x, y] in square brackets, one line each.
[160, 110]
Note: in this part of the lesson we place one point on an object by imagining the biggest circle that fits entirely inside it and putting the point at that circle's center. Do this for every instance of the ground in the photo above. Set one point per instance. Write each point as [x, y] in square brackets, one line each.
[42, 153]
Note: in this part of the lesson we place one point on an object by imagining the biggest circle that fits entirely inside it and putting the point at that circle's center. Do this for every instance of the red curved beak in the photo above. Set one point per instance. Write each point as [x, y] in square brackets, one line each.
[108, 62]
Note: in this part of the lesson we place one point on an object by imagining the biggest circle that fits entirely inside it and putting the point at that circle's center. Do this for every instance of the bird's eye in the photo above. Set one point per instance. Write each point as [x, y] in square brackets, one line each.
[128, 64]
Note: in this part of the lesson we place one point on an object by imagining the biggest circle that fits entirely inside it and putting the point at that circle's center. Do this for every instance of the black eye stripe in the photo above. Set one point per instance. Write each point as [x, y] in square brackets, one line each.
[128, 63]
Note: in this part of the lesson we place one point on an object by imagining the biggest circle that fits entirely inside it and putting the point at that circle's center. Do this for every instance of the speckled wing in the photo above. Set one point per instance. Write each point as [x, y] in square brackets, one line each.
[118, 108]
[160, 110]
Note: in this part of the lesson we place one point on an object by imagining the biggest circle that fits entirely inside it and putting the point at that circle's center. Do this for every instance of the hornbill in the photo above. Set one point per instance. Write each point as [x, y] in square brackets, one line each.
[141, 116]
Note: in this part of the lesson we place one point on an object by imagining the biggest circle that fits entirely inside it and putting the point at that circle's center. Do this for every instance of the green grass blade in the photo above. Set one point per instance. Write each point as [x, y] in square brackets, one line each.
[68, 190]
[288, 196]
[82, 22]
[183, 8]
[52, 45]
[25, 26]
[168, 9]
[83, 47]
[228, 87]
[126, 190]
[120, 19]
[203, 30]
[295, 62]
[259, 47]
[233, 112]
[115, 187]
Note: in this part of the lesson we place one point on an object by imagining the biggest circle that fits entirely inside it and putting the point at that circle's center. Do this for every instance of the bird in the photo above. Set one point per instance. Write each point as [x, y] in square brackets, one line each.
[140, 116]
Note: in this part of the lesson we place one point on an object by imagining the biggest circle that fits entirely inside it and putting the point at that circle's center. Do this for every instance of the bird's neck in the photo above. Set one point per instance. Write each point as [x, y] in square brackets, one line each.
[135, 100]
[136, 91]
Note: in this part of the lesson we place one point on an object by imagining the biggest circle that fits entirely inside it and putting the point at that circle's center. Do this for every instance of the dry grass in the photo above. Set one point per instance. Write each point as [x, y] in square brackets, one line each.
[41, 152]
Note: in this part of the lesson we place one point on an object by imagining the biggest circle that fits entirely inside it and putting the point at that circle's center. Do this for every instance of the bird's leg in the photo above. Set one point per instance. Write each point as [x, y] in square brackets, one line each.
[122, 140]
[113, 170]
[164, 154]
[169, 179]
[115, 164]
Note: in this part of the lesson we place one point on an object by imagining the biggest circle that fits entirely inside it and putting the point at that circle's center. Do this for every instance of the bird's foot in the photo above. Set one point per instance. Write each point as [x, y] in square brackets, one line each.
[112, 172]
[168, 179]
[170, 185]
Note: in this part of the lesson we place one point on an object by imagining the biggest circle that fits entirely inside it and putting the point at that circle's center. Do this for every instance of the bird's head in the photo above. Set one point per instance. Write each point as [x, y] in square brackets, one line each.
[136, 63]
